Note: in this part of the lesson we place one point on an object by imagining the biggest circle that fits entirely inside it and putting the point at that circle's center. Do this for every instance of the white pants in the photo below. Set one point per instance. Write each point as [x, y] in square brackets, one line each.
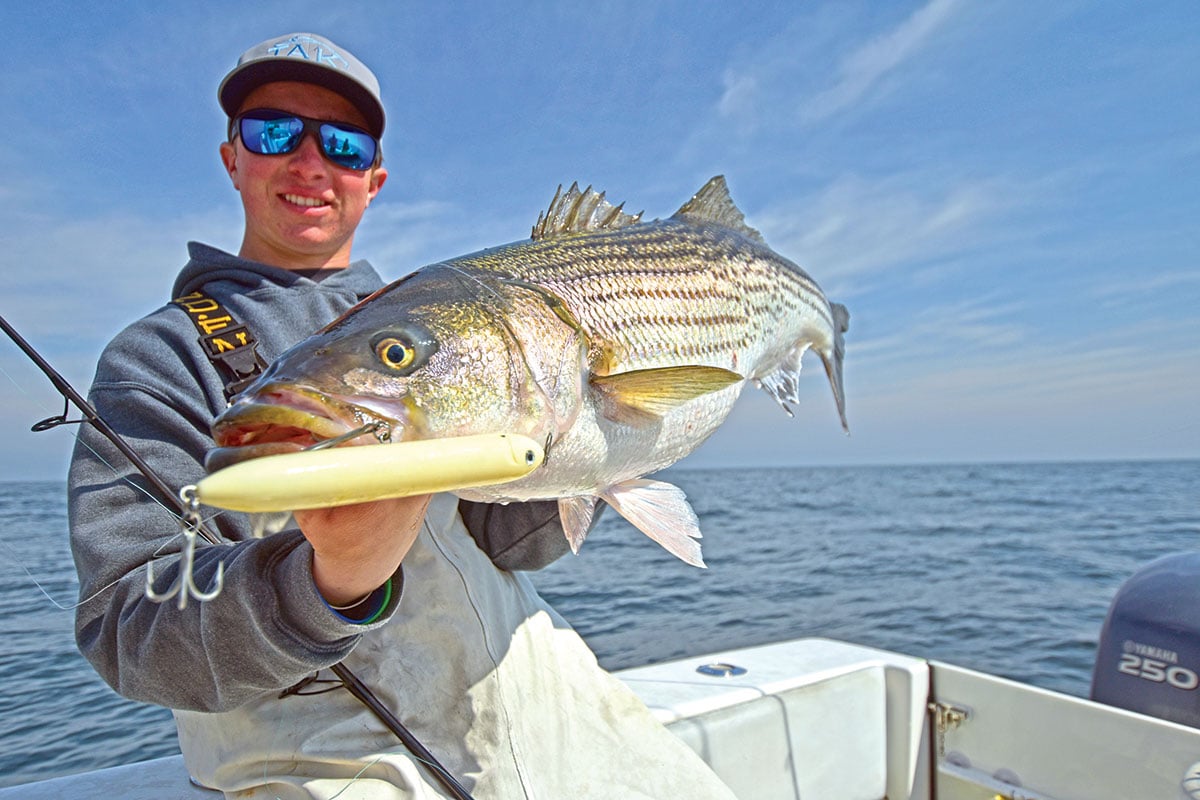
[485, 674]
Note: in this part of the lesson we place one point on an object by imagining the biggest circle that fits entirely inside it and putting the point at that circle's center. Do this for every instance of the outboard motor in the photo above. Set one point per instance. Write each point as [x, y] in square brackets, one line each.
[1149, 655]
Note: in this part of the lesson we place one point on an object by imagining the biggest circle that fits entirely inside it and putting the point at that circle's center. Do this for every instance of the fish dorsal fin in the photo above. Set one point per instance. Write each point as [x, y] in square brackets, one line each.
[713, 204]
[580, 212]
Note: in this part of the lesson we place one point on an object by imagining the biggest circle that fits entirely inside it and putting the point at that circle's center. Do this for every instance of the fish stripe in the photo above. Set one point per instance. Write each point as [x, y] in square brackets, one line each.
[671, 292]
[668, 292]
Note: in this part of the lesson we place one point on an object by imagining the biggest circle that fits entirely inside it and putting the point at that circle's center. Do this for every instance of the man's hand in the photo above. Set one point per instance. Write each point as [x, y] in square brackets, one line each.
[358, 547]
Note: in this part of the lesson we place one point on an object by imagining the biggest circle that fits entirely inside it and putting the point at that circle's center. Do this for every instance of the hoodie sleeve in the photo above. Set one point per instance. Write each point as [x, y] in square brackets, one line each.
[267, 629]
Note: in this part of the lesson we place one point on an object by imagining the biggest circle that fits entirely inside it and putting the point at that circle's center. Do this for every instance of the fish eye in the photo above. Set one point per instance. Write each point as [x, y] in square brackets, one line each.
[396, 353]
[404, 349]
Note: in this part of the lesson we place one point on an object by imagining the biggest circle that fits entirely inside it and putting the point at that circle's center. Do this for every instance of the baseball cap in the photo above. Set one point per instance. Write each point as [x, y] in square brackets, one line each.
[309, 58]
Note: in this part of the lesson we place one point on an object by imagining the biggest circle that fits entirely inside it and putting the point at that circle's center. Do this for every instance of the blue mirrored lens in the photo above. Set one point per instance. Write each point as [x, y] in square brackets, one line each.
[272, 136]
[278, 135]
[347, 147]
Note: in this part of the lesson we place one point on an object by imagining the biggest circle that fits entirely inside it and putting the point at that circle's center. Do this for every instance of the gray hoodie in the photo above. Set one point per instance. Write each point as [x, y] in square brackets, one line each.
[268, 628]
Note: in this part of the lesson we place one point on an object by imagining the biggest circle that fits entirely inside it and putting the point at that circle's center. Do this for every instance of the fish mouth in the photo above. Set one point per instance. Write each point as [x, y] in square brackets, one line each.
[282, 419]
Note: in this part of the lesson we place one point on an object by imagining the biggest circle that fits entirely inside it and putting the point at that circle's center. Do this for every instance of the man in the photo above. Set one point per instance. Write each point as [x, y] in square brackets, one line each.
[482, 671]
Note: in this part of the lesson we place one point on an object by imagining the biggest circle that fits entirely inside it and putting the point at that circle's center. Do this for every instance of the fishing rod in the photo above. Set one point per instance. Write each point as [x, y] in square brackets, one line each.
[350, 681]
[91, 415]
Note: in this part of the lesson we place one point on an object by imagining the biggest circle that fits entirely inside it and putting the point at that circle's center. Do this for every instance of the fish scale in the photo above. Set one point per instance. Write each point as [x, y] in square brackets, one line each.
[636, 302]
[620, 344]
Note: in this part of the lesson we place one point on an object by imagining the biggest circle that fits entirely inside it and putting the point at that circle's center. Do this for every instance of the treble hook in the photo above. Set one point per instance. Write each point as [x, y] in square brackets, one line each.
[185, 585]
[190, 523]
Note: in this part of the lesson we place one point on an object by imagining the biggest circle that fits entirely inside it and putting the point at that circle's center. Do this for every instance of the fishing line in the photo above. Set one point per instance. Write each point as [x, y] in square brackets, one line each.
[33, 579]
[356, 687]
[330, 685]
[16, 560]
[75, 435]
[357, 775]
[467, 277]
[127, 480]
[93, 417]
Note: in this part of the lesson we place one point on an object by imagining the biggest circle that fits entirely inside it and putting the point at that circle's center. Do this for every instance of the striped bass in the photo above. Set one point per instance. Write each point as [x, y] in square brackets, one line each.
[620, 344]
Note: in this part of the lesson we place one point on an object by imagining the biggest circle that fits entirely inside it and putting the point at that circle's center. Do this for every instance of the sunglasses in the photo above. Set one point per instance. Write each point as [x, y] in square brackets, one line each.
[268, 132]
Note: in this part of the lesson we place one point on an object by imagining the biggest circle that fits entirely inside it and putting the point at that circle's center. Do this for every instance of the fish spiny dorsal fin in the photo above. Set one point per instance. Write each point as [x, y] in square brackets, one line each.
[580, 212]
[713, 204]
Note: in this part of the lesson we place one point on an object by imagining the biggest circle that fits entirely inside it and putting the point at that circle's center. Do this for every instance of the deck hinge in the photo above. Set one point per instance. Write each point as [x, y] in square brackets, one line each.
[947, 716]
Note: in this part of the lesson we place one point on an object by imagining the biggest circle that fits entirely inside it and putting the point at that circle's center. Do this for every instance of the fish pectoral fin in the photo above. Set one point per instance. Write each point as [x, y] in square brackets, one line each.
[643, 396]
[576, 514]
[662, 512]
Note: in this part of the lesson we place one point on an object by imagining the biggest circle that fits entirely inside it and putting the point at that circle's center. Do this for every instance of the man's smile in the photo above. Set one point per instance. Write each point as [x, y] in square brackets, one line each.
[300, 200]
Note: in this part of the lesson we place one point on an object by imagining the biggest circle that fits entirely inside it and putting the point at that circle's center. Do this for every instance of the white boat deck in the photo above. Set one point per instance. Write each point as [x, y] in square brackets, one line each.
[814, 718]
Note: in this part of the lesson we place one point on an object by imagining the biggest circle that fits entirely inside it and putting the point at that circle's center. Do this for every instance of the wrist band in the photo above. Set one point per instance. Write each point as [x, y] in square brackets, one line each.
[372, 605]
[353, 603]
[387, 599]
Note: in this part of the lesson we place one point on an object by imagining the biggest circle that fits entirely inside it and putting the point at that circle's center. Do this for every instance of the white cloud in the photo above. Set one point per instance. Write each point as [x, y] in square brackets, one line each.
[79, 281]
[791, 80]
[741, 102]
[856, 228]
[1102, 374]
[862, 70]
[940, 333]
[1145, 284]
[100, 272]
[1088, 397]
[739, 95]
[399, 237]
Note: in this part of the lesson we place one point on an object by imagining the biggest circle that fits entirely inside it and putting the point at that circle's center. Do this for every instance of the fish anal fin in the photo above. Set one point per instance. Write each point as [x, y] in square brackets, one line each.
[643, 396]
[661, 511]
[576, 514]
[713, 204]
[580, 212]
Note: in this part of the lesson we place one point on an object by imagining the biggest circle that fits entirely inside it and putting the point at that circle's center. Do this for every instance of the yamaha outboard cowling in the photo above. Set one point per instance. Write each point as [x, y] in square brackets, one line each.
[1149, 655]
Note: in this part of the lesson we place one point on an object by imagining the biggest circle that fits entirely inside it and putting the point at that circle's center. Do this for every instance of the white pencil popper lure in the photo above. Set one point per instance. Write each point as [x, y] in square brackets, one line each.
[344, 475]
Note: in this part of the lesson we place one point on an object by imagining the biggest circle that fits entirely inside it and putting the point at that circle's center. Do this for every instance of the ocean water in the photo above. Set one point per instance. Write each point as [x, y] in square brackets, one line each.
[1003, 568]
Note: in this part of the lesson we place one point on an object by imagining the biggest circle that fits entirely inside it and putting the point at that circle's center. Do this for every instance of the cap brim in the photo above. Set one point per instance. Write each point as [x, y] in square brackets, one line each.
[238, 85]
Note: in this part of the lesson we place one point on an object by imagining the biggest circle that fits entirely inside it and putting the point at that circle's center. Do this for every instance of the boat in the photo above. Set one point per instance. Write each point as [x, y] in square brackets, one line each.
[818, 719]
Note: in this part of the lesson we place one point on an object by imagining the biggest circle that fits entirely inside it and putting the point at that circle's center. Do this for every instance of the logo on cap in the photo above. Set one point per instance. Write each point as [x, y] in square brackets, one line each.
[309, 49]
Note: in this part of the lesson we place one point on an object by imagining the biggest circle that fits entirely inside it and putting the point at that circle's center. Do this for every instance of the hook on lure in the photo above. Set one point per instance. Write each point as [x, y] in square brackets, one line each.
[185, 586]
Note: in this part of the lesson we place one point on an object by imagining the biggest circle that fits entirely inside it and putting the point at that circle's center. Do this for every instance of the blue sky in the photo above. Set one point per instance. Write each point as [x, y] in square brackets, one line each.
[1004, 194]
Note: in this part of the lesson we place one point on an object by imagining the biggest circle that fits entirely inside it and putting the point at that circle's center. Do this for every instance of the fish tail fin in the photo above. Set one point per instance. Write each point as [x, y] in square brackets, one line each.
[834, 358]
